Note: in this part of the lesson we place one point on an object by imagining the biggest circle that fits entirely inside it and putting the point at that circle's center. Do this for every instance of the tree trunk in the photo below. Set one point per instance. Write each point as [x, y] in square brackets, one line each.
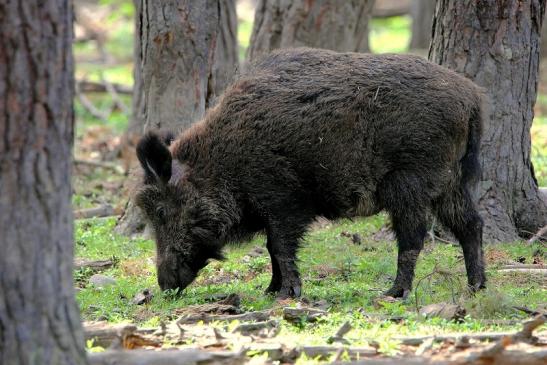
[330, 24]
[39, 318]
[221, 30]
[178, 43]
[422, 18]
[543, 48]
[226, 54]
[185, 56]
[136, 122]
[496, 44]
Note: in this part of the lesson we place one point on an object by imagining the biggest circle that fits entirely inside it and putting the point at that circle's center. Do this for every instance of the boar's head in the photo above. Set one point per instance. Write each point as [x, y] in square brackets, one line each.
[185, 221]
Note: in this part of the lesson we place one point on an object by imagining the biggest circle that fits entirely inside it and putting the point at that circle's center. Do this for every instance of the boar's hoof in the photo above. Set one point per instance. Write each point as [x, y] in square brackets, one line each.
[397, 292]
[473, 288]
[293, 291]
[274, 287]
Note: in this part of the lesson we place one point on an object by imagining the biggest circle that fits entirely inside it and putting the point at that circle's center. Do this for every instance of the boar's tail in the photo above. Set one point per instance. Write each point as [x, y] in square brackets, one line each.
[470, 165]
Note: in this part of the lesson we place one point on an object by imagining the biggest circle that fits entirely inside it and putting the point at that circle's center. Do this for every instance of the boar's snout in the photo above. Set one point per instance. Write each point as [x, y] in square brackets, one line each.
[171, 278]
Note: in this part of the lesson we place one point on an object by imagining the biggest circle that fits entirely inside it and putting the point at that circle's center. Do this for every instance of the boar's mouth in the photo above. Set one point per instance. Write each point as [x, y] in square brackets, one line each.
[176, 279]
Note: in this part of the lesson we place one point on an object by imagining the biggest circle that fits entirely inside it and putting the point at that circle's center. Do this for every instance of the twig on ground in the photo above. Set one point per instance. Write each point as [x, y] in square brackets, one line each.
[248, 328]
[90, 107]
[425, 346]
[542, 233]
[528, 328]
[87, 86]
[298, 314]
[101, 164]
[95, 265]
[174, 357]
[339, 335]
[538, 271]
[105, 210]
[527, 310]
[115, 97]
[524, 335]
[207, 318]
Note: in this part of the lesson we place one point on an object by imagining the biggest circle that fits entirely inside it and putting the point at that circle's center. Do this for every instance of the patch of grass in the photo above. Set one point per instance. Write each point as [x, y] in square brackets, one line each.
[357, 275]
[539, 145]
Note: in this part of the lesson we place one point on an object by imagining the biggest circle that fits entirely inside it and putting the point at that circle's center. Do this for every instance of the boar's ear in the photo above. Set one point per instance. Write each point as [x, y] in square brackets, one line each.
[155, 159]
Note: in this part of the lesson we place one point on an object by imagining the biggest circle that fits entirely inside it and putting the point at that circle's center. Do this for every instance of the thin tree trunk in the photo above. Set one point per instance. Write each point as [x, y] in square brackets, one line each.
[496, 44]
[136, 122]
[422, 18]
[178, 43]
[226, 59]
[329, 24]
[39, 318]
[185, 56]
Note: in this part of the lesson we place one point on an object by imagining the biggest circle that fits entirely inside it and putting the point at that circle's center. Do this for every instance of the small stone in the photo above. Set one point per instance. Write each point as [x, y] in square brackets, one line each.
[100, 281]
[143, 297]
[444, 310]
[257, 252]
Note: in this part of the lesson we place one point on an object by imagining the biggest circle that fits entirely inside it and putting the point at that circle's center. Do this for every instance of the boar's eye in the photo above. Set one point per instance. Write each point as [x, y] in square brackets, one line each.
[161, 214]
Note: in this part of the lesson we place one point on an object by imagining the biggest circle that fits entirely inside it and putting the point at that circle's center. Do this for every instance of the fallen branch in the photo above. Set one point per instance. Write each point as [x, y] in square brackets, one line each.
[94, 265]
[522, 266]
[116, 98]
[207, 318]
[542, 233]
[299, 314]
[339, 335]
[173, 357]
[248, 328]
[101, 87]
[524, 335]
[324, 352]
[481, 337]
[90, 107]
[528, 311]
[538, 271]
[104, 335]
[101, 164]
[105, 210]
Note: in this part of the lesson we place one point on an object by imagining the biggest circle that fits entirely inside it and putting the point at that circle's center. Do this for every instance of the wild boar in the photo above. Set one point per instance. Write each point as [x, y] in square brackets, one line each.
[307, 133]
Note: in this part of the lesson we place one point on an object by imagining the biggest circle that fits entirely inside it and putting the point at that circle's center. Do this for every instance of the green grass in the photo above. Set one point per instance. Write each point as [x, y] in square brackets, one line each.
[348, 276]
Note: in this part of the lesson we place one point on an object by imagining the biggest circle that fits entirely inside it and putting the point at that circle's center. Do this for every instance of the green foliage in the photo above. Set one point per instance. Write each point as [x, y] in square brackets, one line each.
[349, 290]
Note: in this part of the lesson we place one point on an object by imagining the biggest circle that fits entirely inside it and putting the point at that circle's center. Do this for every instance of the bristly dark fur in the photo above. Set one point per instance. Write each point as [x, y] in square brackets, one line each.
[310, 132]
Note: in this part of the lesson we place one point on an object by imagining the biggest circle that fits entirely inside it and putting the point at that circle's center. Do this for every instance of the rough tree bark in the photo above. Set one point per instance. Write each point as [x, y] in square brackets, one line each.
[219, 28]
[39, 318]
[330, 24]
[496, 44]
[185, 56]
[422, 18]
[136, 122]
[178, 42]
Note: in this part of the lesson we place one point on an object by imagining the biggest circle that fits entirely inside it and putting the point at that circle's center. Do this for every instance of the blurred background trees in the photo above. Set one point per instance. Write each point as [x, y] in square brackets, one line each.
[330, 24]
[176, 79]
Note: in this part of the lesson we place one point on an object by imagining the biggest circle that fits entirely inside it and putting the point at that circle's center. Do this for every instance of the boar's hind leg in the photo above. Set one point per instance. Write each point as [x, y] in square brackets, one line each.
[458, 213]
[402, 196]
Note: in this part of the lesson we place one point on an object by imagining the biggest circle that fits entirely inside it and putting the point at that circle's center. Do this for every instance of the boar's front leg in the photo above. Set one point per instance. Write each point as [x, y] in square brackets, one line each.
[283, 240]
[275, 284]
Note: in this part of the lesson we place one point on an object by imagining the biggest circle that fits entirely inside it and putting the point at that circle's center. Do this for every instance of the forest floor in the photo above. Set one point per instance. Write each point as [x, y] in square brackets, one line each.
[345, 265]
